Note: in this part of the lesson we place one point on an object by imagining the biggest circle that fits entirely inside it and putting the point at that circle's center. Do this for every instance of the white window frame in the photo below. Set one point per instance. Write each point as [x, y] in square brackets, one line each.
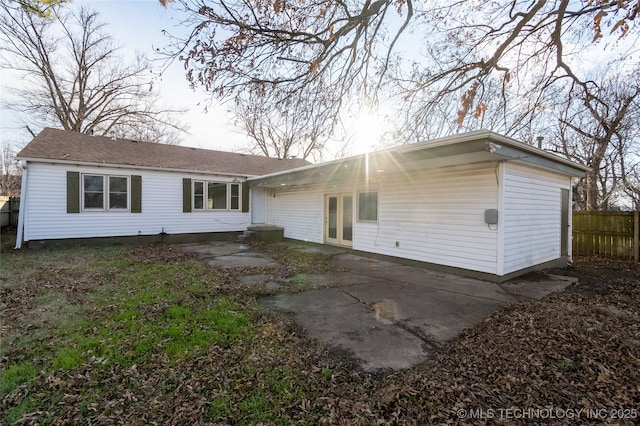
[204, 195]
[370, 191]
[226, 195]
[205, 201]
[106, 193]
[231, 196]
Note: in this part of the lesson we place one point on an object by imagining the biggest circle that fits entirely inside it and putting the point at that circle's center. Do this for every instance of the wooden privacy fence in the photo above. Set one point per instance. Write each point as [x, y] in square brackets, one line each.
[611, 234]
[9, 207]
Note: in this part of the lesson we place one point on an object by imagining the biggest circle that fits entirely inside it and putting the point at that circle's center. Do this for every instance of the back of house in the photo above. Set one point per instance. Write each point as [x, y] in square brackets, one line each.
[78, 186]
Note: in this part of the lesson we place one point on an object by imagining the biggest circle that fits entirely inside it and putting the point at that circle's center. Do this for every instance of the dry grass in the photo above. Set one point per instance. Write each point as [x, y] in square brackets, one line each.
[149, 334]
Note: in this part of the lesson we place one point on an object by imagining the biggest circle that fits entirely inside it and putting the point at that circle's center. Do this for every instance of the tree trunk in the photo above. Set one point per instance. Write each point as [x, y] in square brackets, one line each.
[591, 190]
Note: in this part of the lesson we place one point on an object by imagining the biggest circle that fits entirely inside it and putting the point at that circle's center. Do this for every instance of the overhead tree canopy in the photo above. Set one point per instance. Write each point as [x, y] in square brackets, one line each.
[349, 45]
[74, 77]
[43, 8]
[444, 66]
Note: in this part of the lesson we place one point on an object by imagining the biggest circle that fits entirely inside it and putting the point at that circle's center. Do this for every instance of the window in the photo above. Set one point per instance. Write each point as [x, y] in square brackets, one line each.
[99, 191]
[218, 196]
[93, 190]
[235, 196]
[117, 192]
[198, 195]
[368, 206]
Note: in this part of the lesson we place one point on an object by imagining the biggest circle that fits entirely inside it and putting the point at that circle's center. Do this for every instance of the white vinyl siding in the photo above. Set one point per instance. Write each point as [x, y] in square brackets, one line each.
[299, 211]
[435, 216]
[46, 216]
[532, 214]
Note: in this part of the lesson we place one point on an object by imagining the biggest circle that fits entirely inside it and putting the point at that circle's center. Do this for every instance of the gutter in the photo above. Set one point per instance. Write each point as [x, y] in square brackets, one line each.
[23, 205]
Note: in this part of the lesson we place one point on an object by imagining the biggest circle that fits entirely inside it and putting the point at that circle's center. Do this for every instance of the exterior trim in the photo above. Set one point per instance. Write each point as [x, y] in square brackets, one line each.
[500, 176]
[130, 166]
[502, 147]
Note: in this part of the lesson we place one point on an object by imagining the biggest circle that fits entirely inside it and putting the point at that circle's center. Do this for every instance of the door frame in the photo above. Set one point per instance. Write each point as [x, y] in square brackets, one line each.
[565, 235]
[258, 205]
[340, 239]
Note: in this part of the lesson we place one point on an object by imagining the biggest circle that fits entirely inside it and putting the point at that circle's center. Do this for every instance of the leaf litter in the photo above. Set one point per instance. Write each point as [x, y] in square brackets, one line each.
[578, 349]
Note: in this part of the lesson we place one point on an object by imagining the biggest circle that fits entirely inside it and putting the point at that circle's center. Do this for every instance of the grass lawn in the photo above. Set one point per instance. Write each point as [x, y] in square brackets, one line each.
[139, 335]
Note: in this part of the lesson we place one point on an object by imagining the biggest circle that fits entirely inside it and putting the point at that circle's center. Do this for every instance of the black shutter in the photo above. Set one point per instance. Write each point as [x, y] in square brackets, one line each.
[136, 194]
[73, 192]
[245, 197]
[186, 195]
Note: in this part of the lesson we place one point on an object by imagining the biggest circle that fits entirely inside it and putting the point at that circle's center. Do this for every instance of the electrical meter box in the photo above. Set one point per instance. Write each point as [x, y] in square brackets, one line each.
[491, 216]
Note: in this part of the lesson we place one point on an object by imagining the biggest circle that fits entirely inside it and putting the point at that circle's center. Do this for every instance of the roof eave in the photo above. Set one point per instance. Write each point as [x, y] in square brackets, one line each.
[129, 166]
[503, 147]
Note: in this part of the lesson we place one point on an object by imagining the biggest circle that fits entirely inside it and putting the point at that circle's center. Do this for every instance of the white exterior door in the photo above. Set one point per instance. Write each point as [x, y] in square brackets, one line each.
[338, 219]
[258, 206]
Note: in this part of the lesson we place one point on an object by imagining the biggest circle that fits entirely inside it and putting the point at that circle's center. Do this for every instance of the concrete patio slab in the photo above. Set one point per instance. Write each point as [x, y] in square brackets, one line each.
[397, 324]
[387, 315]
[241, 261]
[214, 249]
[535, 290]
[334, 279]
[335, 317]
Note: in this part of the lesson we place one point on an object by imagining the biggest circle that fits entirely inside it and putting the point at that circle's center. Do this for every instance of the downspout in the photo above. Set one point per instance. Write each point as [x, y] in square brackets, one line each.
[23, 205]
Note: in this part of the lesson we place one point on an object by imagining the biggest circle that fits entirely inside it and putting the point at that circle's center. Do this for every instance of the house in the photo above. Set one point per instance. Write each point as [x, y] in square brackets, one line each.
[479, 203]
[77, 186]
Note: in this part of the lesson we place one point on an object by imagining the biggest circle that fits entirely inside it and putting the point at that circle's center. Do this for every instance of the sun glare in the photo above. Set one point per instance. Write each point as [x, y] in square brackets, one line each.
[367, 129]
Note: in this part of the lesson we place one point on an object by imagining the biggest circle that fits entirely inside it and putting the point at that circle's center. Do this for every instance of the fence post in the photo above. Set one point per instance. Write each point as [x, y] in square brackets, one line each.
[12, 209]
[636, 235]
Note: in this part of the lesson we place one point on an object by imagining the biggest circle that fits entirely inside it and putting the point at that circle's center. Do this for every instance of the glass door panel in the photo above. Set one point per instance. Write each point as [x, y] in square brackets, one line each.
[332, 227]
[339, 219]
[347, 219]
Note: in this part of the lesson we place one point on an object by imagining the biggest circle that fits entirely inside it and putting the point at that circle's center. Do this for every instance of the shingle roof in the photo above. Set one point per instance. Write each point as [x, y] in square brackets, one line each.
[54, 144]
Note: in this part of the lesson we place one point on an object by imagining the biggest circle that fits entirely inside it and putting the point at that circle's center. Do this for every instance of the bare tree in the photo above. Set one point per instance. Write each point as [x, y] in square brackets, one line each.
[11, 173]
[451, 66]
[284, 128]
[600, 129]
[43, 8]
[74, 77]
[349, 45]
[286, 48]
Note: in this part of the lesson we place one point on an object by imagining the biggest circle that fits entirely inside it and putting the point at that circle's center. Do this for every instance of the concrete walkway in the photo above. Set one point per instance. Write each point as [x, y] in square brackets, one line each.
[387, 315]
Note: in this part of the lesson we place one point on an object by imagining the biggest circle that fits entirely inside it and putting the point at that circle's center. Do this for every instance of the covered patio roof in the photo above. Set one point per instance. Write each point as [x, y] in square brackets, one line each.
[468, 148]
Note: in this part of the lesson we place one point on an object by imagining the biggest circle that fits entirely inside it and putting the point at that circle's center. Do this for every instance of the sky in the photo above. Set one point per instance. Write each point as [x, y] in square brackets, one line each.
[137, 25]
